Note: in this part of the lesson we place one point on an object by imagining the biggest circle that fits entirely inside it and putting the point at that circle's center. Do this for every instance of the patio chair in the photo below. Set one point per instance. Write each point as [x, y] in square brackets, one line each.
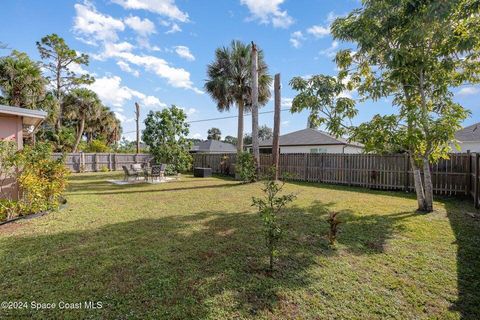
[158, 171]
[129, 173]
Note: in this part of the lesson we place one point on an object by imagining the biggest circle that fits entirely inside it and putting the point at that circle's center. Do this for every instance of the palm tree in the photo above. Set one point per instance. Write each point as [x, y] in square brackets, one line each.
[214, 134]
[229, 81]
[21, 81]
[82, 105]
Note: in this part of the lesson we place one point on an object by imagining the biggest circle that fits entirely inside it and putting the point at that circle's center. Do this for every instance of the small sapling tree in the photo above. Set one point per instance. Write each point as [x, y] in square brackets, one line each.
[333, 222]
[270, 208]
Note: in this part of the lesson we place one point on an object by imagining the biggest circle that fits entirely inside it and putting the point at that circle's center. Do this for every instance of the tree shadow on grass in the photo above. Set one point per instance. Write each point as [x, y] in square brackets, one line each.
[207, 264]
[467, 233]
[359, 234]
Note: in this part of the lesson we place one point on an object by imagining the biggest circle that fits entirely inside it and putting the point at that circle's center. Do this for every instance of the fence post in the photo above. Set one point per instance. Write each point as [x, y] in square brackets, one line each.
[477, 174]
[305, 166]
[114, 162]
[407, 176]
[468, 176]
[94, 164]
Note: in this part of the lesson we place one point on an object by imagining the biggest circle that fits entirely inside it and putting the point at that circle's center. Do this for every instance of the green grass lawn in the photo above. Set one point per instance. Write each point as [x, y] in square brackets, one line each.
[193, 249]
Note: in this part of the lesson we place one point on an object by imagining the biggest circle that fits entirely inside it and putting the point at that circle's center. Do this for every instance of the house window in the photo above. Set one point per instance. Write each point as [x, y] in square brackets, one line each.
[318, 150]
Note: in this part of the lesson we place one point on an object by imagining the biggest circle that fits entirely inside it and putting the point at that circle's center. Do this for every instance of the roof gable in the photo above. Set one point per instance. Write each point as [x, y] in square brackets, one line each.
[213, 146]
[470, 133]
[308, 137]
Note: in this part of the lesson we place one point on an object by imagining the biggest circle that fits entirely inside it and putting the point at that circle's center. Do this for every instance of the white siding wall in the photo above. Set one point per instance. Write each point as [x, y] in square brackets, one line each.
[472, 146]
[323, 149]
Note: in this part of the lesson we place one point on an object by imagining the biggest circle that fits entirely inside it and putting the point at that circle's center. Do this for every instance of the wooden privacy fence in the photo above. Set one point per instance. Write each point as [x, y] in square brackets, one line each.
[88, 162]
[459, 175]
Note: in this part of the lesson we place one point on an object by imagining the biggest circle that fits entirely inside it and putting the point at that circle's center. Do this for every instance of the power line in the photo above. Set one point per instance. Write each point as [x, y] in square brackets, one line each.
[223, 118]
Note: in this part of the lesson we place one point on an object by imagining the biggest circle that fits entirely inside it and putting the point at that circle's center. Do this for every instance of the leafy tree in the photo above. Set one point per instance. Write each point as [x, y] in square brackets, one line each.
[58, 59]
[229, 81]
[231, 140]
[270, 208]
[247, 139]
[82, 105]
[21, 81]
[214, 134]
[166, 134]
[416, 52]
[104, 127]
[265, 133]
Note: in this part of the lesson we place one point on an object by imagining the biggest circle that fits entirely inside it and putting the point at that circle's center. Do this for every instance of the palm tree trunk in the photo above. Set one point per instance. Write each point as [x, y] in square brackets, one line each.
[79, 134]
[240, 126]
[255, 143]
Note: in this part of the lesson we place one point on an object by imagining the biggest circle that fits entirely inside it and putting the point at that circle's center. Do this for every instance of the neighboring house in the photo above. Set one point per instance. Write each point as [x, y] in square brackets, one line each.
[15, 125]
[468, 139]
[213, 146]
[19, 123]
[311, 141]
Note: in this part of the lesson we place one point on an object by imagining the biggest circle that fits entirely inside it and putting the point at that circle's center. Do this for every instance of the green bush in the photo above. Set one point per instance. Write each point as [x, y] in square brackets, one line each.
[245, 167]
[97, 146]
[42, 179]
[104, 169]
[8, 209]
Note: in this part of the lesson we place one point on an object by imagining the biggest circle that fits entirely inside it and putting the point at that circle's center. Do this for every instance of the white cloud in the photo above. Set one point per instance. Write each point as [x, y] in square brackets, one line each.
[197, 136]
[330, 51]
[173, 29]
[268, 11]
[286, 102]
[296, 39]
[468, 91]
[112, 92]
[143, 27]
[166, 8]
[189, 111]
[319, 31]
[184, 52]
[126, 67]
[78, 69]
[176, 77]
[95, 25]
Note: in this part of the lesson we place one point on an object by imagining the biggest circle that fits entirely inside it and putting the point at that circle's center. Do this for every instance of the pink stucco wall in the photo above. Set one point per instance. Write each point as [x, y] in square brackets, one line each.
[11, 130]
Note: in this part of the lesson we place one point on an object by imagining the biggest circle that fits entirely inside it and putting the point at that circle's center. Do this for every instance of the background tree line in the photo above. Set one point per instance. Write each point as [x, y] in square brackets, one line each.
[77, 118]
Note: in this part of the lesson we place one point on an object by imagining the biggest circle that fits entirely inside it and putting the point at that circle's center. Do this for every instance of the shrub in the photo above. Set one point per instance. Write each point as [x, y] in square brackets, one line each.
[270, 207]
[333, 222]
[42, 179]
[245, 167]
[170, 170]
[104, 169]
[8, 209]
[97, 146]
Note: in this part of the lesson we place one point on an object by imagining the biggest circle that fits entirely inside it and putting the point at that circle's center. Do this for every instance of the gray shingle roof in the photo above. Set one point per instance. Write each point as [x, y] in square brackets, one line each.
[308, 137]
[213, 146]
[470, 133]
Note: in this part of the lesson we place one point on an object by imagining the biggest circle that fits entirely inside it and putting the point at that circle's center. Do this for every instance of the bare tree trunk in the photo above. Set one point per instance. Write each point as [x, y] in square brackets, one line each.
[417, 178]
[276, 125]
[137, 120]
[79, 134]
[255, 143]
[428, 185]
[58, 124]
[240, 107]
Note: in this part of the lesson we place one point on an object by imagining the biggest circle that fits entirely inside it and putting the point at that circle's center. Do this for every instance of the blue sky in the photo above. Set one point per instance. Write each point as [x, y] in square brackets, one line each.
[156, 51]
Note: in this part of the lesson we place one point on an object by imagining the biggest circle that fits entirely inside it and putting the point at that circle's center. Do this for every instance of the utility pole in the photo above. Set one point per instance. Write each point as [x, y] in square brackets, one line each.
[276, 124]
[255, 145]
[137, 115]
